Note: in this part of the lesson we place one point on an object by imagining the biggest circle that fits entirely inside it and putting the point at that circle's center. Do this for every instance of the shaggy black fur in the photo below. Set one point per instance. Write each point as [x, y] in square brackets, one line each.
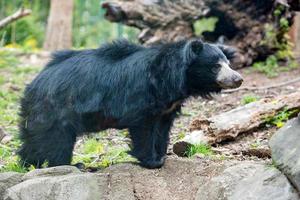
[120, 85]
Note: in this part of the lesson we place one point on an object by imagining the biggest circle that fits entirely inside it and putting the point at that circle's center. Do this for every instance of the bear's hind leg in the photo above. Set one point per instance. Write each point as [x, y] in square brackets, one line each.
[54, 145]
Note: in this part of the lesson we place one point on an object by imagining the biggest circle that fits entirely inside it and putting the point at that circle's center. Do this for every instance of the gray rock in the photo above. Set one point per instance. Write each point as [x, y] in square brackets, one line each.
[9, 179]
[285, 148]
[52, 171]
[82, 186]
[248, 181]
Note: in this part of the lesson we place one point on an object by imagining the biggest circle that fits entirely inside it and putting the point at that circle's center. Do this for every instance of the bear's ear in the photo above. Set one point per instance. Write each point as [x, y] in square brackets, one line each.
[192, 49]
[228, 51]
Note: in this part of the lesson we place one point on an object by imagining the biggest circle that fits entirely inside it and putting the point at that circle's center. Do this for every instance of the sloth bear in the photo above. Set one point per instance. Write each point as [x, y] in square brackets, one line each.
[119, 85]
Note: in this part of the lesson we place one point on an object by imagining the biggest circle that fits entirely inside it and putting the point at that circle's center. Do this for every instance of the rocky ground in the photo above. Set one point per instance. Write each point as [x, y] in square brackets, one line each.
[233, 173]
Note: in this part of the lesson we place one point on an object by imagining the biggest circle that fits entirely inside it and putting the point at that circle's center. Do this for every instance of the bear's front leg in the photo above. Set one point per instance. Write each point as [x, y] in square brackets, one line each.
[150, 141]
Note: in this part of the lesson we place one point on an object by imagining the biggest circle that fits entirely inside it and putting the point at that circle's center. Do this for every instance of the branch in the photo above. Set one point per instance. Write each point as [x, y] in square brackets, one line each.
[22, 12]
[263, 88]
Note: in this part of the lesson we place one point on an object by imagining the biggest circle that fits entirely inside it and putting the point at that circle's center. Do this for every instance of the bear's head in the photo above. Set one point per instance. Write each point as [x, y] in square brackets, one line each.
[208, 68]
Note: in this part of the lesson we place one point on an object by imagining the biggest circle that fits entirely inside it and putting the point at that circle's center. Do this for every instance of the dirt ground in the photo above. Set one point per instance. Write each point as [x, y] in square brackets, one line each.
[242, 147]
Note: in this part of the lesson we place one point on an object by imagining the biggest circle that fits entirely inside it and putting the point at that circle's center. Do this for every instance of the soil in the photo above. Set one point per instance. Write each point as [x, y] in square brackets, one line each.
[253, 145]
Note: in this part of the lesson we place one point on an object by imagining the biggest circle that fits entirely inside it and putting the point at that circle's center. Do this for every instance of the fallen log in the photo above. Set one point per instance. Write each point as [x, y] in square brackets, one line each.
[241, 23]
[229, 125]
[22, 12]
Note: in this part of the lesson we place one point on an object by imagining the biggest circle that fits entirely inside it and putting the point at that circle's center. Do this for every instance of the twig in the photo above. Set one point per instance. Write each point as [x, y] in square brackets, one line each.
[22, 12]
[263, 88]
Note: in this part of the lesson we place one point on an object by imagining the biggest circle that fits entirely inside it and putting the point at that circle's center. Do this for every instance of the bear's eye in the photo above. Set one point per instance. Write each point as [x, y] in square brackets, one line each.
[219, 65]
[216, 69]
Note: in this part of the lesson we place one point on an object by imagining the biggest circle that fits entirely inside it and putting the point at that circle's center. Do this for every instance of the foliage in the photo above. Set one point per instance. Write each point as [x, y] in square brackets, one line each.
[28, 28]
[203, 149]
[205, 24]
[181, 135]
[271, 66]
[249, 99]
[6, 59]
[281, 117]
[90, 28]
[268, 67]
[13, 75]
[93, 153]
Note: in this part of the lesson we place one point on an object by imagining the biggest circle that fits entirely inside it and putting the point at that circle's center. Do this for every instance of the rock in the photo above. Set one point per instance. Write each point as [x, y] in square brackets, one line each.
[178, 179]
[285, 150]
[248, 181]
[52, 171]
[82, 186]
[9, 179]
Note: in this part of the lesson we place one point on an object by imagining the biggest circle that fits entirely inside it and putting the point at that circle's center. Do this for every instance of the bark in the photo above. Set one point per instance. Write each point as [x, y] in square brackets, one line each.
[59, 27]
[242, 23]
[17, 15]
[292, 4]
[228, 125]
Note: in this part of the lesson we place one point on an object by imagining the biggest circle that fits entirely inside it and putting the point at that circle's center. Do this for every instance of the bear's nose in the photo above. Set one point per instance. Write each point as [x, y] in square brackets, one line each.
[238, 80]
[229, 79]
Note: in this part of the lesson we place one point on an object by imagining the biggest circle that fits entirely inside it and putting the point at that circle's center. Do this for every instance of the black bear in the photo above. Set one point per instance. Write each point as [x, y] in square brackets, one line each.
[119, 85]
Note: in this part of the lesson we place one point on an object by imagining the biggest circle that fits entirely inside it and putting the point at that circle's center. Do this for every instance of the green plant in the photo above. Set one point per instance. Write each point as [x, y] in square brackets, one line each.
[255, 145]
[203, 149]
[92, 146]
[249, 99]
[205, 24]
[7, 59]
[277, 38]
[269, 66]
[281, 117]
[180, 135]
[8, 159]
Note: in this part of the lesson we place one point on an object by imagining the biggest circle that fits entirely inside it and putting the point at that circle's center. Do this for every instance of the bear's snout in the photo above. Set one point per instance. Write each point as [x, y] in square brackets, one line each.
[228, 78]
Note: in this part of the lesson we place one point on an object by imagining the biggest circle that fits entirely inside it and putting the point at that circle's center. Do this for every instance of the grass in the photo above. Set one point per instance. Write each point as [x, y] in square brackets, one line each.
[12, 83]
[203, 149]
[94, 153]
[249, 99]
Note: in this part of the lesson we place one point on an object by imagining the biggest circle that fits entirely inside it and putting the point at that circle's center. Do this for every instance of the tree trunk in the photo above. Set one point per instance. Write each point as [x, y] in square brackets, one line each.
[59, 27]
[295, 35]
[241, 23]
